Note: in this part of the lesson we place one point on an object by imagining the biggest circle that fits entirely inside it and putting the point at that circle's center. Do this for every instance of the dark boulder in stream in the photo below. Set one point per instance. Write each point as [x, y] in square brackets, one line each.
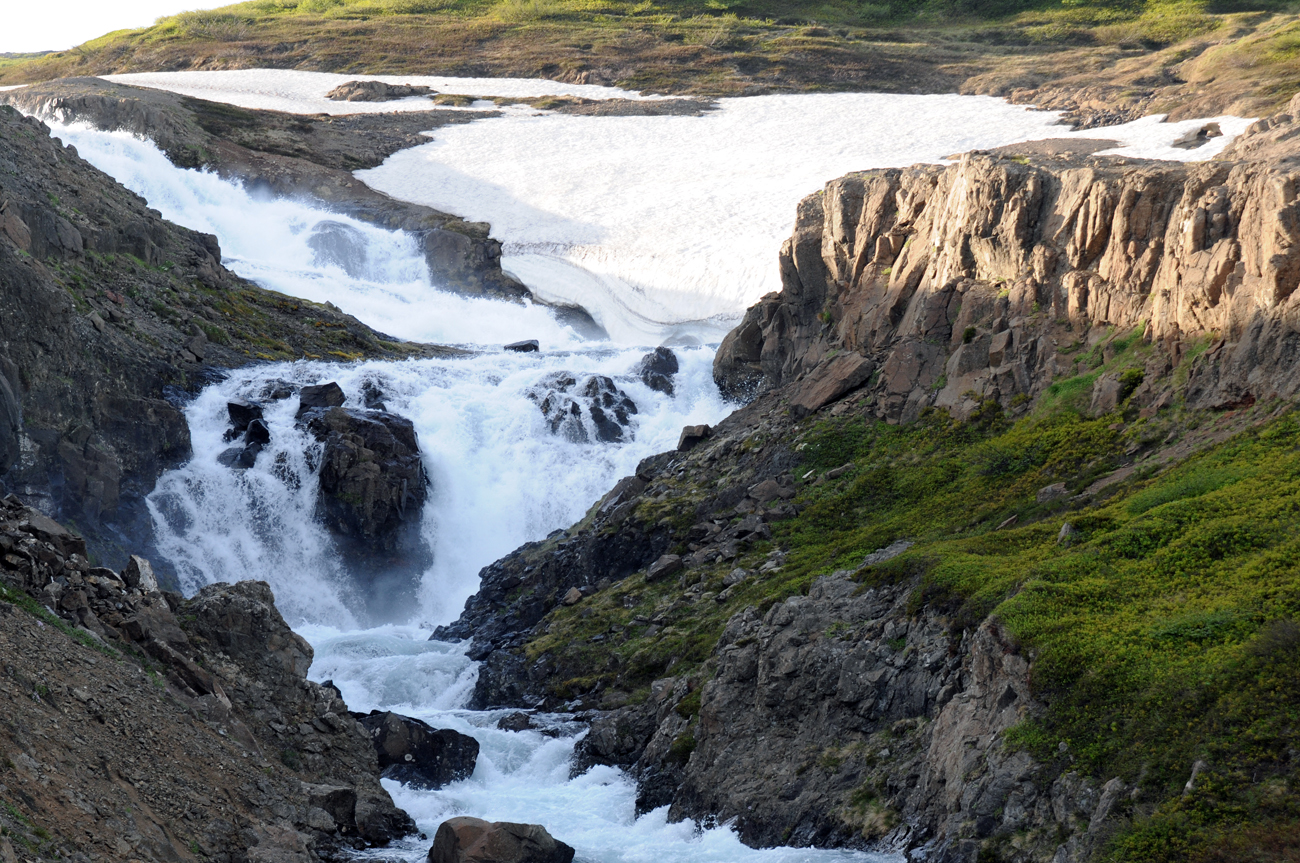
[415, 753]
[472, 840]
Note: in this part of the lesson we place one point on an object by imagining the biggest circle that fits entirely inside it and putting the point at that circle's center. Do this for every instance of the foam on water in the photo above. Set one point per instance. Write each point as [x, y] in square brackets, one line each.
[520, 776]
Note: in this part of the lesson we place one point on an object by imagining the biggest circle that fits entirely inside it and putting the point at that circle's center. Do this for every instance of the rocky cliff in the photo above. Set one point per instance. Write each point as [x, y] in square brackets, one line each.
[111, 315]
[942, 286]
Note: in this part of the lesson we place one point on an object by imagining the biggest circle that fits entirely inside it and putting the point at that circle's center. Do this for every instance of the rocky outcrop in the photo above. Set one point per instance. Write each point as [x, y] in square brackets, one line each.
[291, 155]
[473, 840]
[948, 286]
[579, 410]
[415, 753]
[374, 91]
[224, 744]
[111, 315]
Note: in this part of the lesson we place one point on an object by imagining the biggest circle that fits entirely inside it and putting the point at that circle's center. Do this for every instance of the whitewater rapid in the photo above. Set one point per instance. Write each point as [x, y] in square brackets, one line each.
[664, 227]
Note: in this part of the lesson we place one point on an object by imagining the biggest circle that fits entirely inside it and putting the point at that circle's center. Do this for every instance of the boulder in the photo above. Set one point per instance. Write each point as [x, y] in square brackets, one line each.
[241, 414]
[1052, 492]
[328, 395]
[417, 754]
[830, 381]
[139, 574]
[692, 436]
[473, 840]
[258, 432]
[572, 597]
[656, 370]
[529, 346]
[375, 91]
[665, 566]
[372, 479]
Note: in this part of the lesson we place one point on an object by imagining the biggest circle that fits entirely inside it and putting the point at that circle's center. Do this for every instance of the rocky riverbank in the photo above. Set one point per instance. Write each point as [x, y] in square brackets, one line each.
[829, 619]
[142, 725]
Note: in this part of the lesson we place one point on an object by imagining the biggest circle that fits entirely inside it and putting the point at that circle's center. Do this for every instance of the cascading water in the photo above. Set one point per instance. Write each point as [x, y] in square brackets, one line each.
[500, 476]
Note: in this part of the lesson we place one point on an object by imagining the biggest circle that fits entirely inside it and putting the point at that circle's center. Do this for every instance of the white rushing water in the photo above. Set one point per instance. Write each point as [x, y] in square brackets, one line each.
[665, 227]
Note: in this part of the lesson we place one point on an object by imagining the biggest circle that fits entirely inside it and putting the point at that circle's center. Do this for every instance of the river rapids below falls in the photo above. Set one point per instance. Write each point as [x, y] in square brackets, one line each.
[663, 227]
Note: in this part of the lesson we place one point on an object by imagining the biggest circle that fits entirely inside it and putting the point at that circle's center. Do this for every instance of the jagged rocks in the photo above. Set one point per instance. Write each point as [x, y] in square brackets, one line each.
[656, 370]
[568, 403]
[375, 91]
[692, 436]
[414, 753]
[328, 395]
[473, 840]
[372, 479]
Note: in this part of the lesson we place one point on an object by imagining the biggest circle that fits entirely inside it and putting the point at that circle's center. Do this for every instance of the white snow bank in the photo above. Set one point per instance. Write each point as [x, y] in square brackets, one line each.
[304, 92]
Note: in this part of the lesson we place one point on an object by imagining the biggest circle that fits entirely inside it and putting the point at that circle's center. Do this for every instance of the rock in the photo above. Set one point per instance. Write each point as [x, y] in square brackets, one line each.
[416, 754]
[736, 576]
[258, 433]
[241, 414]
[769, 490]
[889, 552]
[240, 457]
[564, 401]
[1055, 491]
[529, 346]
[338, 802]
[320, 396]
[139, 574]
[341, 245]
[375, 91]
[656, 370]
[693, 436]
[573, 597]
[517, 721]
[11, 425]
[1198, 137]
[473, 840]
[829, 382]
[666, 565]
[1107, 393]
[372, 479]
[46, 529]
[1066, 534]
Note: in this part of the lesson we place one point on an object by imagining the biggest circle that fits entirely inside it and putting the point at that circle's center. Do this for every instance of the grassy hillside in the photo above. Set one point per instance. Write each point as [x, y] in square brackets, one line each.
[1136, 48]
[1164, 626]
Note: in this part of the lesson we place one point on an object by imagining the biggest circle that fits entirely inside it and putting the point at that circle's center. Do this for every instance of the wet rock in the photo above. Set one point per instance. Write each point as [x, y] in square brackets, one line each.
[416, 754]
[241, 414]
[656, 370]
[517, 721]
[529, 346]
[375, 91]
[693, 436]
[473, 840]
[258, 433]
[372, 479]
[320, 396]
[565, 401]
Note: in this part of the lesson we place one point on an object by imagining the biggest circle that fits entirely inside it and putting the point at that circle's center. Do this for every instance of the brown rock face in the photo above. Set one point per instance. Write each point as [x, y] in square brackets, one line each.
[961, 283]
[473, 840]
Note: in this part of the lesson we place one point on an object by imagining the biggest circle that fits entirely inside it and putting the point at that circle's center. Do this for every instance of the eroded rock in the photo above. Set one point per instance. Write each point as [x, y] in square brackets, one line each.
[417, 754]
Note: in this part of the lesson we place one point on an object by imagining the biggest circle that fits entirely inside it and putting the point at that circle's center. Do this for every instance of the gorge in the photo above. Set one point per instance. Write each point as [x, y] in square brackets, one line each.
[765, 633]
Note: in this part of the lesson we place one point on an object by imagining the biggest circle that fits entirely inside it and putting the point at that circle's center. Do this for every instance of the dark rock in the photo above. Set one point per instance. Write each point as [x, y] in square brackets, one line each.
[416, 754]
[371, 474]
[665, 566]
[656, 370]
[139, 574]
[524, 347]
[564, 401]
[375, 91]
[517, 721]
[242, 413]
[320, 396]
[472, 840]
[11, 425]
[692, 436]
[257, 432]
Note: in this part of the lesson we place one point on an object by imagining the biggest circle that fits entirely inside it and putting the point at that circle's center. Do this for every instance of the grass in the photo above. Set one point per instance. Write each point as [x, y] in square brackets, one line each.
[724, 47]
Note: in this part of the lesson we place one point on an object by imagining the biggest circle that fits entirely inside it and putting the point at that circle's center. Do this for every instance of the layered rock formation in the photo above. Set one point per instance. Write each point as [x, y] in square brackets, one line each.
[946, 286]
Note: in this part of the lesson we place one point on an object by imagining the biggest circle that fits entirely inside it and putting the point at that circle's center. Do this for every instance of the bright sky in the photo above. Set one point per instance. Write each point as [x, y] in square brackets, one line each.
[36, 26]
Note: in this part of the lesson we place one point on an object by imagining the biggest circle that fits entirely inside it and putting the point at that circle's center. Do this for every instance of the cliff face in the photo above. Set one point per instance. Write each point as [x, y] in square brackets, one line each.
[966, 282]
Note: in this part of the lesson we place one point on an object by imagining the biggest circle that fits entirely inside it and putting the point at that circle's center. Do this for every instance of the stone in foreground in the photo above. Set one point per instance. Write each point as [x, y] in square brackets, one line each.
[473, 840]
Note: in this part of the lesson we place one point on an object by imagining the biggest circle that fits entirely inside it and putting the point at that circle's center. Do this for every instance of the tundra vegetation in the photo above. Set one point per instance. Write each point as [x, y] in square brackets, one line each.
[1161, 623]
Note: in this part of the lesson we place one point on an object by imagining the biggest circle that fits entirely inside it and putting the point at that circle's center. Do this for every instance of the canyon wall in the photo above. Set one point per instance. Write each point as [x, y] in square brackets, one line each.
[942, 286]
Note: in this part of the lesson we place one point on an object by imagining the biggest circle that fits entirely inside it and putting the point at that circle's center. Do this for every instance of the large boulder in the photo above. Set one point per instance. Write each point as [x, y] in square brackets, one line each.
[656, 370]
[372, 480]
[473, 840]
[417, 754]
[374, 91]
